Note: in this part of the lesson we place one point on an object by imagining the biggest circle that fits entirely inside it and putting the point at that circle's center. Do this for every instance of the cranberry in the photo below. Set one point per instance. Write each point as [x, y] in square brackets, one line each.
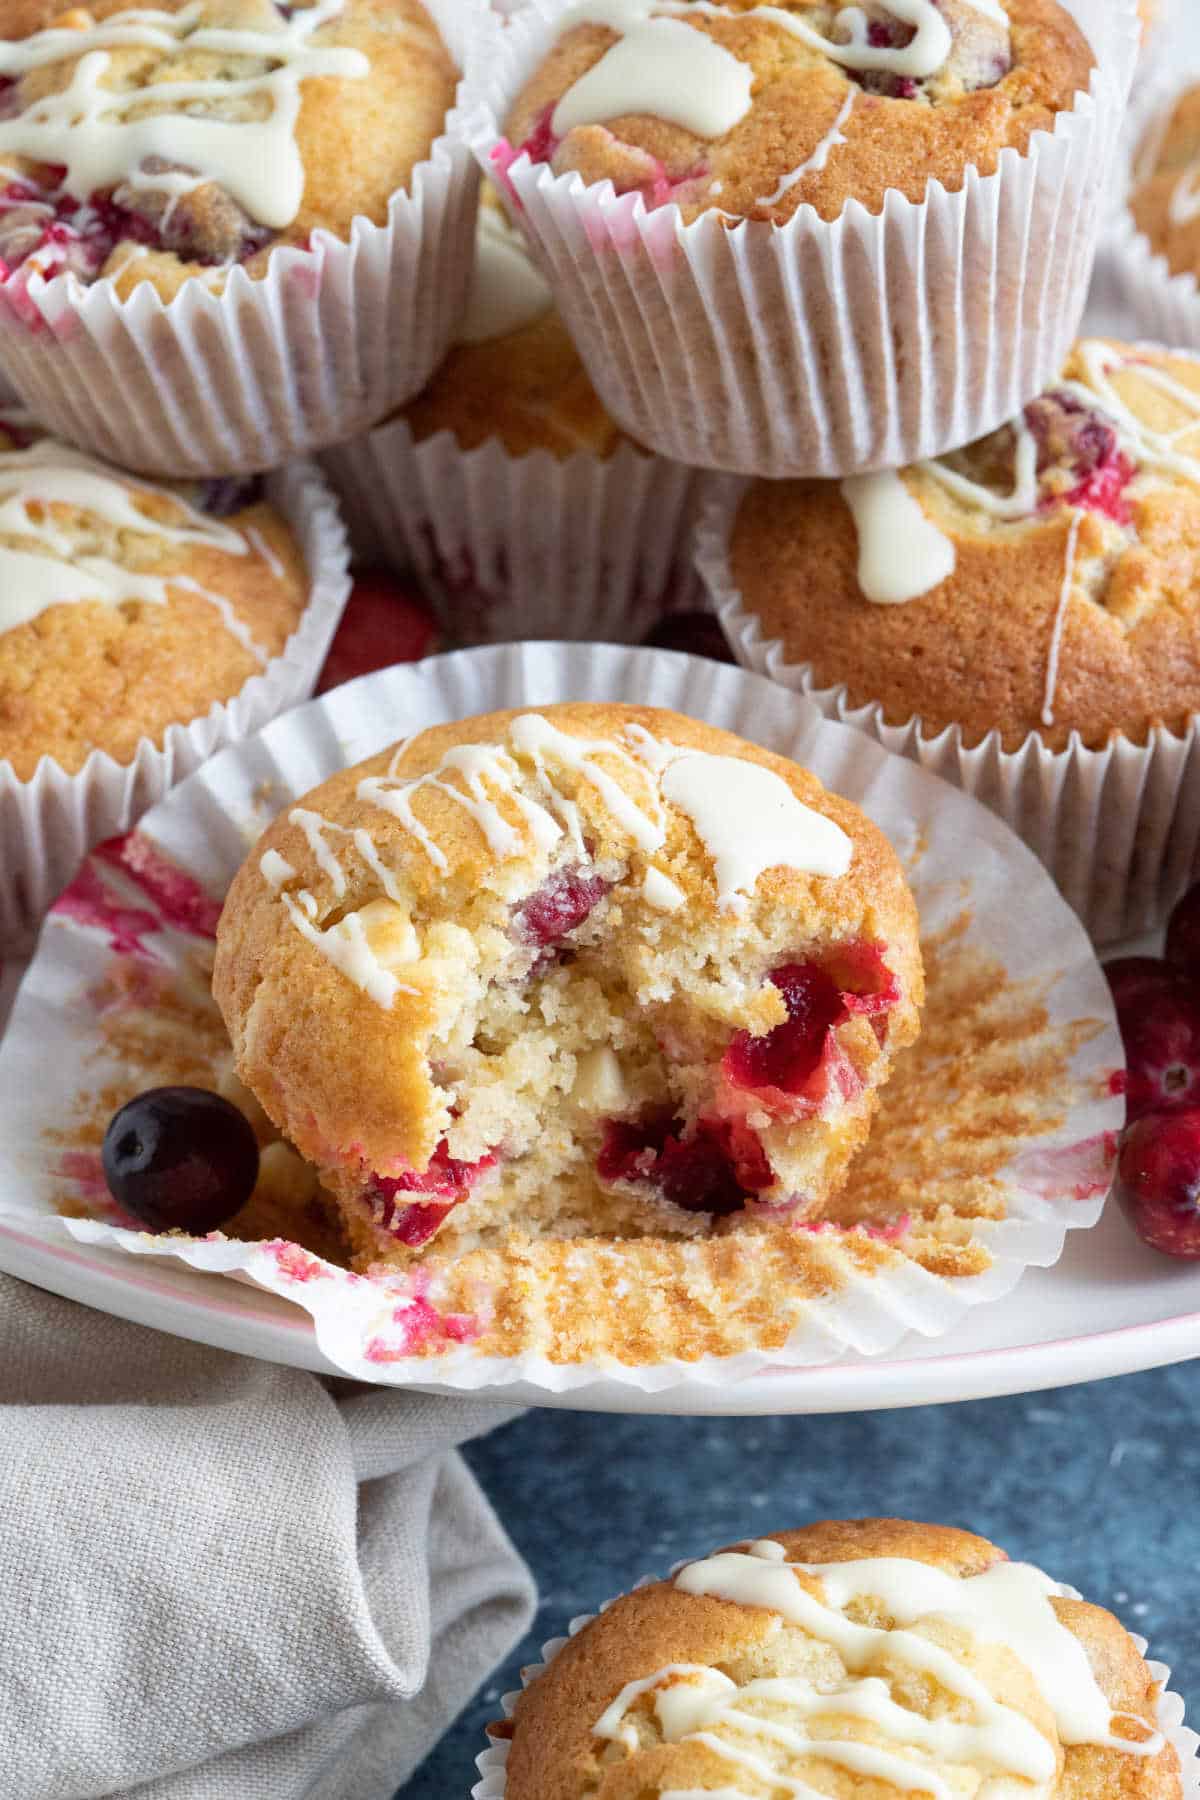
[699, 633]
[445, 1182]
[1162, 1049]
[1103, 491]
[180, 1159]
[541, 143]
[1137, 981]
[562, 903]
[384, 623]
[1160, 1182]
[1183, 934]
[788, 1057]
[715, 1169]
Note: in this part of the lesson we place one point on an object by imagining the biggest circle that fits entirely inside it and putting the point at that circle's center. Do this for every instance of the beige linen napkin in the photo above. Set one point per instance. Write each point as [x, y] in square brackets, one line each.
[222, 1580]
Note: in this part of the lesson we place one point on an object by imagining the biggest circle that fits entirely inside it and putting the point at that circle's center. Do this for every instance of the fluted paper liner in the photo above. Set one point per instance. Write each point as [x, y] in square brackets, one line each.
[536, 546]
[1166, 306]
[1118, 828]
[856, 1288]
[48, 823]
[817, 348]
[330, 340]
[492, 1763]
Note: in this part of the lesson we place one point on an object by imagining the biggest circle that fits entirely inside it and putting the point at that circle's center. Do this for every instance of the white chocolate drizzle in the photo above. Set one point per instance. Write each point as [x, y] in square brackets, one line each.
[102, 136]
[275, 869]
[1060, 620]
[1007, 1604]
[660, 892]
[813, 164]
[507, 291]
[901, 552]
[1184, 205]
[41, 563]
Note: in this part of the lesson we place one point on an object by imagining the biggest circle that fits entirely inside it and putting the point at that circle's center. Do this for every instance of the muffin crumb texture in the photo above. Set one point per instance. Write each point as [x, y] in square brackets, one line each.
[756, 111]
[854, 1657]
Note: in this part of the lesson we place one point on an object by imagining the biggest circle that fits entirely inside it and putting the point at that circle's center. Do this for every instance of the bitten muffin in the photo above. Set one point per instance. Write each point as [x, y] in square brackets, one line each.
[590, 971]
[155, 145]
[854, 1657]
[1165, 200]
[757, 111]
[514, 375]
[1045, 579]
[127, 606]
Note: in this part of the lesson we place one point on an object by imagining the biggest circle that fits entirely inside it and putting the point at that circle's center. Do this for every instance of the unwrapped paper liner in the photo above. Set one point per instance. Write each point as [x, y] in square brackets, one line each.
[1166, 306]
[535, 546]
[49, 822]
[817, 348]
[1118, 828]
[492, 1763]
[368, 1328]
[331, 339]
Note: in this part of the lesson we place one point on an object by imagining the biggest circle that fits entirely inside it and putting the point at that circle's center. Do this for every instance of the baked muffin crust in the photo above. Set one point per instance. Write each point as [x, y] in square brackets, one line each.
[518, 977]
[125, 605]
[801, 116]
[1165, 201]
[1046, 579]
[853, 1682]
[324, 109]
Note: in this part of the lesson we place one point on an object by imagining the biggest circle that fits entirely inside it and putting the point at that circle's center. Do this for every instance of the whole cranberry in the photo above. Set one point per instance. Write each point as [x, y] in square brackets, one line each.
[180, 1159]
[1162, 1051]
[383, 623]
[1160, 1182]
[1137, 982]
[1183, 934]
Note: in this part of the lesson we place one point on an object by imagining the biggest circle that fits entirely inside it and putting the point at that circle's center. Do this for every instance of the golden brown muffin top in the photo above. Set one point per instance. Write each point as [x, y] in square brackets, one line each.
[514, 376]
[854, 1657]
[1046, 579]
[367, 917]
[217, 130]
[779, 107]
[1165, 201]
[127, 606]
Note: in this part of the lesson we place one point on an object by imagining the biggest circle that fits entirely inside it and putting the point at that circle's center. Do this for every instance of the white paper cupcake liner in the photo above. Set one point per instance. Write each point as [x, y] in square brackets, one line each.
[1166, 306]
[818, 348]
[966, 866]
[1118, 828]
[492, 1763]
[533, 546]
[49, 822]
[330, 340]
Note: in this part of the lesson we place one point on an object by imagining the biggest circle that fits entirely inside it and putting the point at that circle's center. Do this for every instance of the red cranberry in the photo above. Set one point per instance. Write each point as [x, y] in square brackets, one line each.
[180, 1159]
[1162, 1049]
[541, 143]
[788, 1057]
[1160, 1182]
[1137, 981]
[562, 903]
[715, 1170]
[384, 623]
[699, 633]
[446, 1181]
[1183, 935]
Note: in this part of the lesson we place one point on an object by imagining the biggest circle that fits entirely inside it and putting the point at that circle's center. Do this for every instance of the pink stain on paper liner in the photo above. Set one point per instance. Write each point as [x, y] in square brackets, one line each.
[1079, 1171]
[179, 901]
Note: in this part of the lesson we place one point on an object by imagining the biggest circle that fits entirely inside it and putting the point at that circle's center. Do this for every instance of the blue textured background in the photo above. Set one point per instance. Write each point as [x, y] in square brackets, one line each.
[1099, 1484]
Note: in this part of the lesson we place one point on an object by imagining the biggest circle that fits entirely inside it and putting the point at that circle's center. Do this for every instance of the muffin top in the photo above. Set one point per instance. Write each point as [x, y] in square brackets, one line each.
[155, 144]
[755, 111]
[514, 375]
[1046, 579]
[1165, 201]
[127, 606]
[589, 970]
[853, 1657]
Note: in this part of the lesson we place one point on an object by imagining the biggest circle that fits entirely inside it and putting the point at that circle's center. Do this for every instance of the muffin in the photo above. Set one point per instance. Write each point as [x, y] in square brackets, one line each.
[317, 115]
[794, 241]
[595, 972]
[506, 486]
[757, 112]
[844, 1658]
[1045, 580]
[231, 231]
[128, 607]
[1165, 197]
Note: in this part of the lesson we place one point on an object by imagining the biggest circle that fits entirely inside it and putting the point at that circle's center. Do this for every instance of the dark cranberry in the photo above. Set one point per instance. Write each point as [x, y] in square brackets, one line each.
[384, 623]
[562, 903]
[180, 1159]
[1183, 935]
[1162, 1049]
[699, 633]
[1160, 1182]
[1138, 981]
[788, 1057]
[716, 1169]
